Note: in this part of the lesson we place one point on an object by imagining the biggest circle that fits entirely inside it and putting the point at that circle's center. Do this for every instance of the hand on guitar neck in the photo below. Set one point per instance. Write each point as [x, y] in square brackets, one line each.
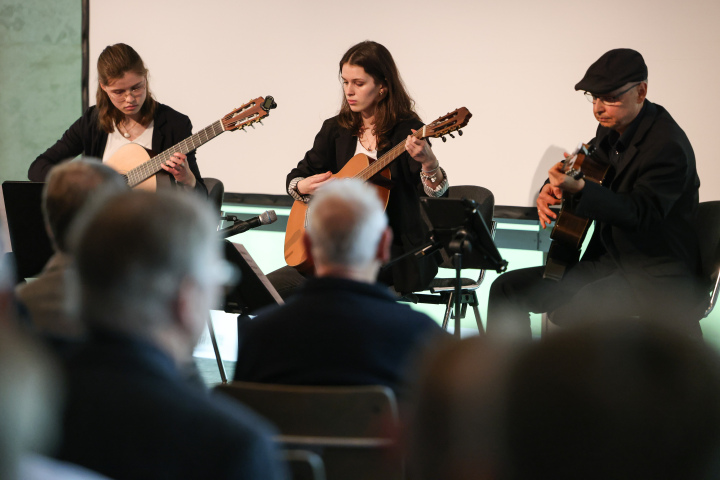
[178, 167]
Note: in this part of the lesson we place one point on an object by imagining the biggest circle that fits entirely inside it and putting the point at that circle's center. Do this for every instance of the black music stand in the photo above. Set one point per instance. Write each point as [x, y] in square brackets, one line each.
[252, 292]
[459, 228]
[29, 240]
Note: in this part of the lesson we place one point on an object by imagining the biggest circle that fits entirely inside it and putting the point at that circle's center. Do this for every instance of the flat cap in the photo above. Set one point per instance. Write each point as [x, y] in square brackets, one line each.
[613, 70]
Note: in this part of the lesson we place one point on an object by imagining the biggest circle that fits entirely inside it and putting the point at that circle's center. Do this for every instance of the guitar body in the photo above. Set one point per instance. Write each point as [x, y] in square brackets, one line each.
[131, 156]
[296, 255]
[570, 229]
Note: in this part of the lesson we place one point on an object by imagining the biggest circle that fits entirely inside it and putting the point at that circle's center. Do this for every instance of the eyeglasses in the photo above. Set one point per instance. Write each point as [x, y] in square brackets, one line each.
[608, 99]
[135, 92]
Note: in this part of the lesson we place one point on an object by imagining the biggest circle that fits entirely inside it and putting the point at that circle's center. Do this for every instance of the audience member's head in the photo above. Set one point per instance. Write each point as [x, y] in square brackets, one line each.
[347, 231]
[621, 400]
[456, 428]
[149, 265]
[68, 188]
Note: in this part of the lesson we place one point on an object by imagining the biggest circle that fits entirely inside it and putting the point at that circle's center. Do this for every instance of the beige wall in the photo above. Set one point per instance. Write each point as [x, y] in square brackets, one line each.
[513, 63]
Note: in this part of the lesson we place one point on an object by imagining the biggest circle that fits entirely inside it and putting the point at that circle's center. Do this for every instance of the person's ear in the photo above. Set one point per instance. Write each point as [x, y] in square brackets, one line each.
[642, 92]
[383, 249]
[308, 244]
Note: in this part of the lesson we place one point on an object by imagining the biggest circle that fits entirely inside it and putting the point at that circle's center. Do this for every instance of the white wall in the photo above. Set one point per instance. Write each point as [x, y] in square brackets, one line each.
[512, 63]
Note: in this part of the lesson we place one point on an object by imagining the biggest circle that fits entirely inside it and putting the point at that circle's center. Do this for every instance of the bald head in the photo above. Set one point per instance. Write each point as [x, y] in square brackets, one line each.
[346, 222]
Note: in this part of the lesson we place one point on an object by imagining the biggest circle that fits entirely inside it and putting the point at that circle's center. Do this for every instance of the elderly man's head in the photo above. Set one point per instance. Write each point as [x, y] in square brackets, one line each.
[69, 186]
[347, 229]
[148, 263]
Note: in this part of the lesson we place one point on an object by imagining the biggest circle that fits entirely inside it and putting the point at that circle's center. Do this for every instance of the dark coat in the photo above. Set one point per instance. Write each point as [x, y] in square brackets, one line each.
[130, 415]
[334, 331]
[643, 217]
[85, 137]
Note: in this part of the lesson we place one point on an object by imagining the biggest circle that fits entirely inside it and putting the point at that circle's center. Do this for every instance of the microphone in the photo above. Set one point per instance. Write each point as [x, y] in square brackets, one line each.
[266, 218]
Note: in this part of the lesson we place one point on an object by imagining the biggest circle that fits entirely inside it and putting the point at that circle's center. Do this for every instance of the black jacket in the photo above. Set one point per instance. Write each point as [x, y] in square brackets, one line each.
[85, 137]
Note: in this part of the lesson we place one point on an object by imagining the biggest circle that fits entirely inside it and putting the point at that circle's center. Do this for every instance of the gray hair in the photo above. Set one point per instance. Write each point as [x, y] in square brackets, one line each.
[133, 252]
[69, 187]
[345, 222]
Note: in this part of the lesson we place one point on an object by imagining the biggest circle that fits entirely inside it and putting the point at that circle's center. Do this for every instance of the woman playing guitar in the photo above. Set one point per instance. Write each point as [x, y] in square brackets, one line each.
[126, 112]
[376, 113]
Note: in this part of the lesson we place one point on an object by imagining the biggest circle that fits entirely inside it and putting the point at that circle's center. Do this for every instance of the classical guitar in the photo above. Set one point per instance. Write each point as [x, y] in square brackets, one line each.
[139, 167]
[363, 167]
[570, 228]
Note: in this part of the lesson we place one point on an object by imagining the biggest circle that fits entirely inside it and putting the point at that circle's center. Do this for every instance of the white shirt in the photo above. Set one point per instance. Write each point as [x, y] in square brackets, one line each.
[116, 140]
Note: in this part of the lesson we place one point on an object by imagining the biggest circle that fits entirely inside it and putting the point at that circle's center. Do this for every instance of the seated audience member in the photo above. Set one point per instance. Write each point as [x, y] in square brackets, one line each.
[340, 328]
[456, 424]
[69, 187]
[30, 401]
[149, 268]
[621, 400]
[626, 400]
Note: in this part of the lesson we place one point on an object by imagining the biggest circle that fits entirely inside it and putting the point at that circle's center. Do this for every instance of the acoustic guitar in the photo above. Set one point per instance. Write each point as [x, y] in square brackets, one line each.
[570, 229]
[375, 171]
[139, 167]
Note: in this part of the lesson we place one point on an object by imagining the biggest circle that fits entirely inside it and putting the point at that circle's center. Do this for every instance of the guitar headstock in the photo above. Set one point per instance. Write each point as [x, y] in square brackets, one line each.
[249, 113]
[446, 124]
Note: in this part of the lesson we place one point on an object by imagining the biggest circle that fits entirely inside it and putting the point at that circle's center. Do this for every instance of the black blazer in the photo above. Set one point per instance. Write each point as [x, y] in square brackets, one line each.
[334, 147]
[85, 137]
[334, 331]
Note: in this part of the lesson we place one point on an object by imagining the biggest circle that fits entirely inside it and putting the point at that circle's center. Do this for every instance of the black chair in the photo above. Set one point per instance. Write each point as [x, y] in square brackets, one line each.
[707, 226]
[442, 290]
[304, 465]
[351, 428]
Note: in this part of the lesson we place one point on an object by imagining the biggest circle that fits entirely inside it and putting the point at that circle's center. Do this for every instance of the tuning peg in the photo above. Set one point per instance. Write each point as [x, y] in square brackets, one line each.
[444, 139]
[451, 135]
[460, 132]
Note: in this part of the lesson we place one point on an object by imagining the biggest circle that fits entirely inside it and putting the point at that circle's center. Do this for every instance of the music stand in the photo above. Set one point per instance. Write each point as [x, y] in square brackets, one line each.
[254, 289]
[29, 240]
[459, 228]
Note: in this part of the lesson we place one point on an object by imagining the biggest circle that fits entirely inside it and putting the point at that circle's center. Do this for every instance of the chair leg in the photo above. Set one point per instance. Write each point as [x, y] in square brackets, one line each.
[448, 309]
[478, 318]
[221, 367]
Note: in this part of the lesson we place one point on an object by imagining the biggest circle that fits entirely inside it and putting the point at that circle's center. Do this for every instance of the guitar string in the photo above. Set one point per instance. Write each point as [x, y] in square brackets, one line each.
[378, 165]
[144, 171]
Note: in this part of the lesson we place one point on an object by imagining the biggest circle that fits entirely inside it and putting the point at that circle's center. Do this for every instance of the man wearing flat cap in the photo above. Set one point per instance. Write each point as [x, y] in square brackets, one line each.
[643, 258]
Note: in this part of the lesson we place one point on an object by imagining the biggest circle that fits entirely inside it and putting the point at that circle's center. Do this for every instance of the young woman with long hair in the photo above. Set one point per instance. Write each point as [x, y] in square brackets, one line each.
[125, 112]
[376, 114]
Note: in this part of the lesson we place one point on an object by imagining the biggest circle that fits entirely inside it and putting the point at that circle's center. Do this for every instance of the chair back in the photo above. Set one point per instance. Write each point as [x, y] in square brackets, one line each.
[304, 465]
[351, 428]
[216, 192]
[707, 226]
[486, 206]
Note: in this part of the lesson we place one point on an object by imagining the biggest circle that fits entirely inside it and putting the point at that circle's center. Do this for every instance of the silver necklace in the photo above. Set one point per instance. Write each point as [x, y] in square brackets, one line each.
[128, 130]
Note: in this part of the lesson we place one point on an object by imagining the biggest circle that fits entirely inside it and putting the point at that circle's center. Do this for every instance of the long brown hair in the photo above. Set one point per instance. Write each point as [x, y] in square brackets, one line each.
[392, 108]
[113, 63]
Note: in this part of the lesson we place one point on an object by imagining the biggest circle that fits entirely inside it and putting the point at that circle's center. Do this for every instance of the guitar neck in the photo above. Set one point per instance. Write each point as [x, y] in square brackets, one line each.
[375, 167]
[146, 170]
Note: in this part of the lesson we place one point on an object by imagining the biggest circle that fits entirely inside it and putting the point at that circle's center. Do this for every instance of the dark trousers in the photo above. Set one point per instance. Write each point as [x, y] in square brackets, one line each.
[590, 291]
